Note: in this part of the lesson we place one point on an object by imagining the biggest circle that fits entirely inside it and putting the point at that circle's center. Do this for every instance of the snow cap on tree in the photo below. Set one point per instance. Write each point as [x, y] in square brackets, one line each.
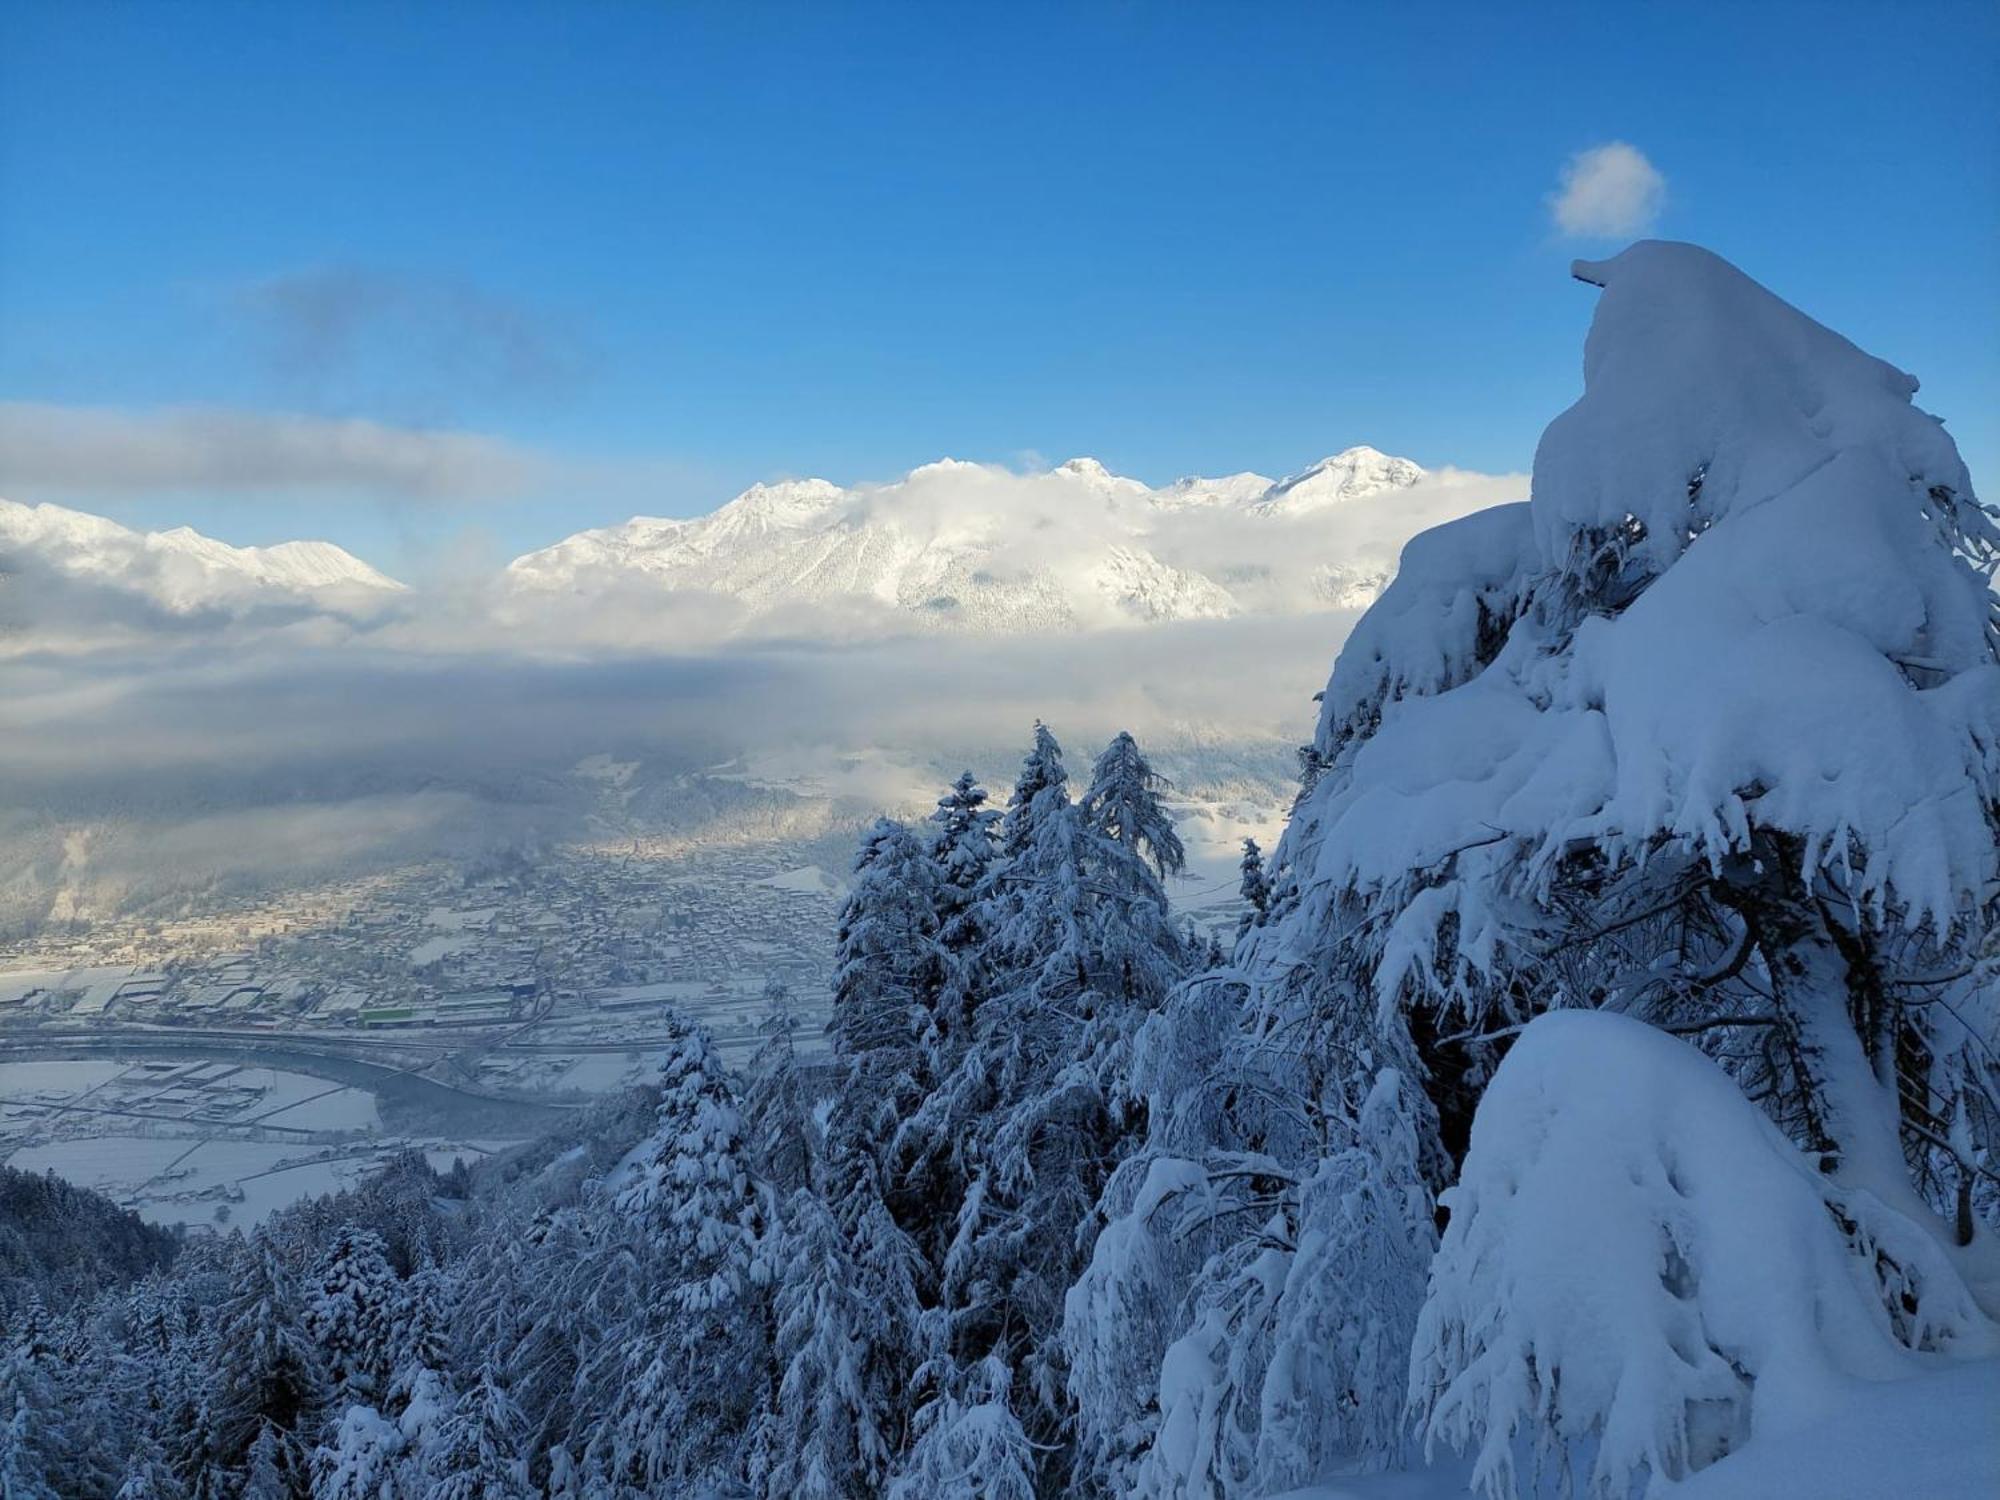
[1791, 627]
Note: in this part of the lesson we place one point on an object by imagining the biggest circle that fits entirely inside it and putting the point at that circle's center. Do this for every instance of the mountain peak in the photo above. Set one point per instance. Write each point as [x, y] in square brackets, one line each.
[182, 569]
[781, 505]
[1094, 476]
[1347, 475]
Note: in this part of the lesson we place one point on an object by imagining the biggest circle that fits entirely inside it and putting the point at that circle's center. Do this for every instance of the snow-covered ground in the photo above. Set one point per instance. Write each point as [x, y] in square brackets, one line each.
[1931, 1437]
[810, 878]
[188, 1141]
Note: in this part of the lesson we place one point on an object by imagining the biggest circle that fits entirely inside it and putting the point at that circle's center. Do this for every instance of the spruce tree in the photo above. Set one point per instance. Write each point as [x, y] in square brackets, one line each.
[1254, 888]
[1043, 782]
[887, 972]
[774, 1100]
[847, 1315]
[478, 1453]
[267, 1389]
[964, 843]
[697, 1367]
[349, 1310]
[1123, 804]
[1034, 1112]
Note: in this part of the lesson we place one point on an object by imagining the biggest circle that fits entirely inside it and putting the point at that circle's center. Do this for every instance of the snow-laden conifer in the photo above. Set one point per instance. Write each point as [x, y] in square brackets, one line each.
[969, 1444]
[1123, 803]
[349, 1307]
[696, 1373]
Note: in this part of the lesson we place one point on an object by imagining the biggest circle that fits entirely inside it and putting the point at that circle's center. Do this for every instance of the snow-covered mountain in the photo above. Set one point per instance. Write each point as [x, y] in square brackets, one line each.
[978, 548]
[181, 571]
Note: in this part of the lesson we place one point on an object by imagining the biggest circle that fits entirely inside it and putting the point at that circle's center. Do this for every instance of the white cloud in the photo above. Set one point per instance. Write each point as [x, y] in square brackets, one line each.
[1608, 191]
[45, 447]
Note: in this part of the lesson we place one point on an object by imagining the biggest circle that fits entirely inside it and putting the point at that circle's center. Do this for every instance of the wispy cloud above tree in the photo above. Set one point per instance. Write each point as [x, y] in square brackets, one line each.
[1608, 192]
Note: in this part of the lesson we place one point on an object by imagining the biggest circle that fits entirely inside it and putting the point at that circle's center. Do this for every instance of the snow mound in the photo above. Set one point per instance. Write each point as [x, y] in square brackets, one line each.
[1937, 1435]
[1639, 1268]
[1691, 369]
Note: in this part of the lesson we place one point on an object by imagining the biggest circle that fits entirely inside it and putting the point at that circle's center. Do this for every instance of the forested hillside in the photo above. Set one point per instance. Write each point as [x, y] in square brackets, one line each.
[1601, 1085]
[59, 1243]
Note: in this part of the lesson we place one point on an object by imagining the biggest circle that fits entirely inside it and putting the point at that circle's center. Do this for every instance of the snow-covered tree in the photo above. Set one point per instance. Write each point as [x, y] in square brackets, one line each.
[364, 1461]
[349, 1309]
[964, 843]
[1123, 804]
[697, 1366]
[847, 1310]
[1254, 887]
[775, 1099]
[429, 1408]
[146, 1477]
[1292, 1333]
[692, 1188]
[419, 1331]
[1330, 1395]
[887, 968]
[1705, 733]
[970, 1445]
[1078, 909]
[267, 1389]
[477, 1452]
[274, 1469]
[1042, 783]
[64, 1419]
[1033, 1113]
[30, 1434]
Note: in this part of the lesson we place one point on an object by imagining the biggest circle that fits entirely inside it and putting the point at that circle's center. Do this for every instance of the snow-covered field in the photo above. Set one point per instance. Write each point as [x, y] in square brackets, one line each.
[188, 1141]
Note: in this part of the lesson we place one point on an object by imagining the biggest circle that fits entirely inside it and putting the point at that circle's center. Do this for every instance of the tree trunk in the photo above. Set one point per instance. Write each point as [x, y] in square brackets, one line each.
[1850, 1116]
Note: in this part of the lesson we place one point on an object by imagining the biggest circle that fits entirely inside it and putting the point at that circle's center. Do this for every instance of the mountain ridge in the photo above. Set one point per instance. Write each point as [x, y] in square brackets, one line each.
[183, 570]
[971, 547]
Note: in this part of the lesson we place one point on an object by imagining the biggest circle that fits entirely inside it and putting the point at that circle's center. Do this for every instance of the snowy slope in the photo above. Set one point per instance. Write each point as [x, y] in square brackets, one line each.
[181, 570]
[976, 548]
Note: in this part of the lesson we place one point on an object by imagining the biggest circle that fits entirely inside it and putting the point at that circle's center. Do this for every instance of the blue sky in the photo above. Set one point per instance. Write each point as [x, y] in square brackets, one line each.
[646, 255]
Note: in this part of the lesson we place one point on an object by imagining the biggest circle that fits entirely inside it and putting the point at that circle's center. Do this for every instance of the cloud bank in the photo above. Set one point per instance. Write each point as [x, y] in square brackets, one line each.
[1609, 191]
[446, 720]
[76, 449]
